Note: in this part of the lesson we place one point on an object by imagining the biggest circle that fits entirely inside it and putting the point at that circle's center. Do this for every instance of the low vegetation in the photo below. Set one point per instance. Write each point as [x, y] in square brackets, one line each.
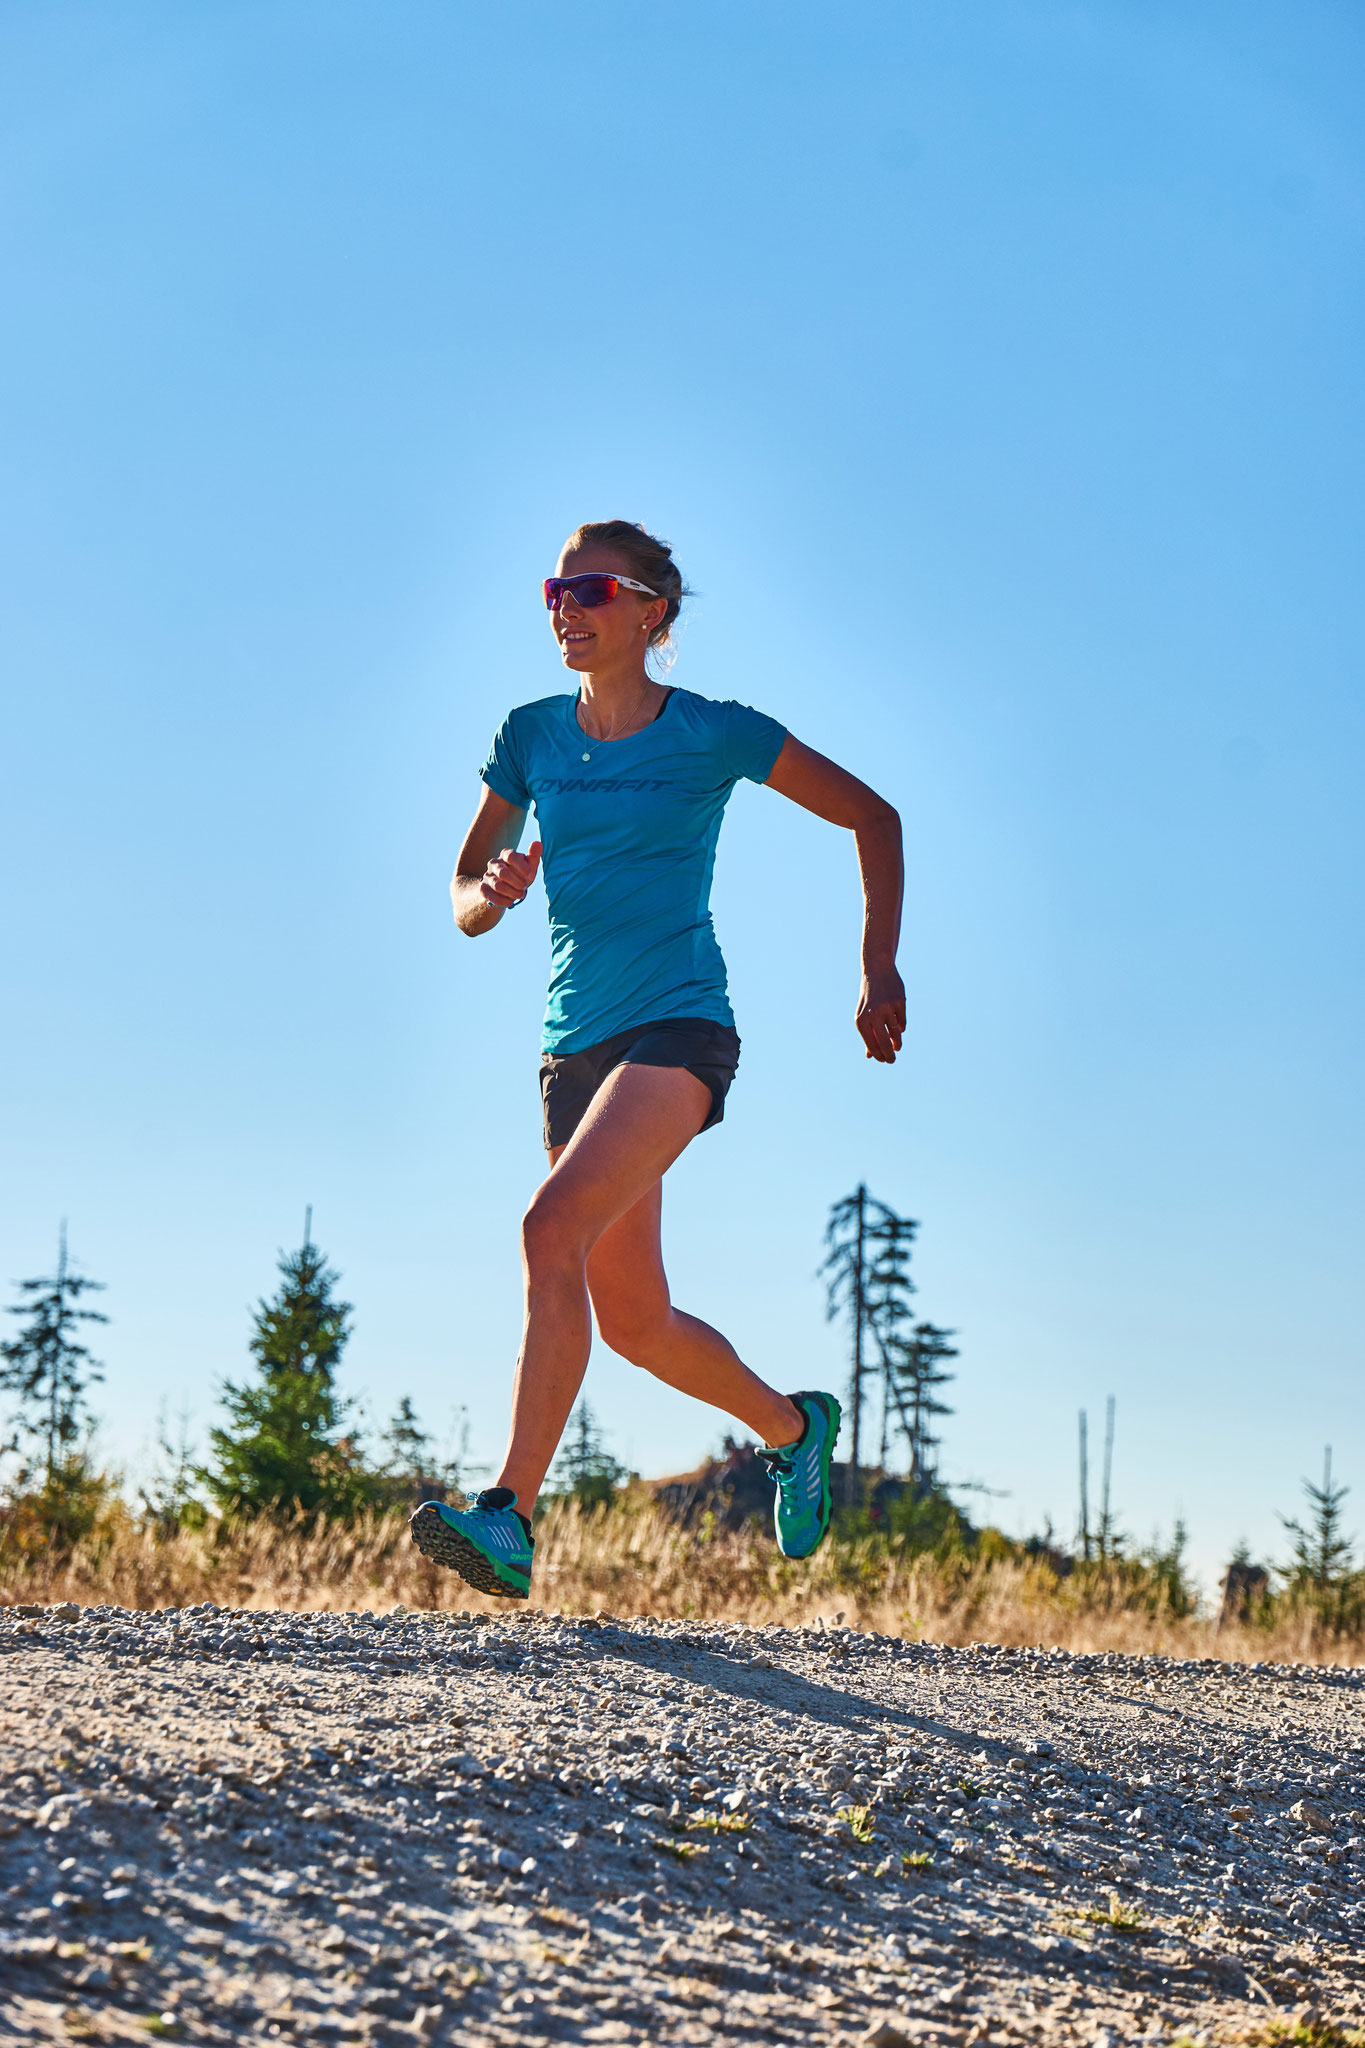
[293, 1508]
[633, 1558]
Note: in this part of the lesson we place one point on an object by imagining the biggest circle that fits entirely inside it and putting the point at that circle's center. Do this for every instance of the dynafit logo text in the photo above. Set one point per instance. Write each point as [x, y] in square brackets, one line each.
[570, 785]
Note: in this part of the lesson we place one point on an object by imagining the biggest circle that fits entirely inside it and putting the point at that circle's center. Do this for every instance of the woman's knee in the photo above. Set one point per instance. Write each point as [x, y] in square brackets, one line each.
[551, 1236]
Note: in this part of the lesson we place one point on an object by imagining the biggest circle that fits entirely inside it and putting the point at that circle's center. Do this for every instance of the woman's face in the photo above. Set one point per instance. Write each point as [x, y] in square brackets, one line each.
[609, 636]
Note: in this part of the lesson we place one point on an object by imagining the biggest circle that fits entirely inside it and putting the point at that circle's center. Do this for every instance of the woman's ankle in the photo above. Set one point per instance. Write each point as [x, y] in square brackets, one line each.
[792, 1430]
[525, 1494]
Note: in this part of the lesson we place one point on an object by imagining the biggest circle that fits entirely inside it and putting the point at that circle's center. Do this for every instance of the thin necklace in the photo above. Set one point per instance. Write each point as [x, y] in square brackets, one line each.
[603, 737]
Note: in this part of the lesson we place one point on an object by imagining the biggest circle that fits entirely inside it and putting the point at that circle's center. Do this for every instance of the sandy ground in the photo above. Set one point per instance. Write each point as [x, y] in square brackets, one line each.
[316, 1827]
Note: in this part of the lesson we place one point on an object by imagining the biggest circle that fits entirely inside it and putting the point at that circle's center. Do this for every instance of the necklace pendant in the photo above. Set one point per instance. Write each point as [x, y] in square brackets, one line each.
[587, 757]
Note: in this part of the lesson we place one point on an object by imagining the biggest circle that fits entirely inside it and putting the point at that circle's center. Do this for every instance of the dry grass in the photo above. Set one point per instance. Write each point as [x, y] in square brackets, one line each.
[636, 1560]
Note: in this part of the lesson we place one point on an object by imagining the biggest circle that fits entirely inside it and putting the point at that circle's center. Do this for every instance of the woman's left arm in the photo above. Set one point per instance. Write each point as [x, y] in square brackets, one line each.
[832, 793]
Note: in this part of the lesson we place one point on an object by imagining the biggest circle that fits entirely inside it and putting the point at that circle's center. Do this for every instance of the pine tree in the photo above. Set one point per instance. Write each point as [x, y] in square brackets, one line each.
[860, 1230]
[408, 1443]
[167, 1495]
[886, 1294]
[413, 1469]
[285, 1446]
[867, 1265]
[49, 1371]
[1322, 1566]
[585, 1469]
[915, 1371]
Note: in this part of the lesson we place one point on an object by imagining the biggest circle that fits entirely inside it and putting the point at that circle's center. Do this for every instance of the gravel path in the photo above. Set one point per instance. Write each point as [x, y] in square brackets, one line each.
[315, 1827]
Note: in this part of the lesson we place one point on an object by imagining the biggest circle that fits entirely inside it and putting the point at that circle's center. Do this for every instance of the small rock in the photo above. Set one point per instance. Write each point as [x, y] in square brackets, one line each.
[56, 1809]
[1310, 1815]
[886, 2034]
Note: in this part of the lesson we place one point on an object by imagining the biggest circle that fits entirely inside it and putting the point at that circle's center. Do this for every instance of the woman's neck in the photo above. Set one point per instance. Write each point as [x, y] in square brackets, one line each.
[610, 705]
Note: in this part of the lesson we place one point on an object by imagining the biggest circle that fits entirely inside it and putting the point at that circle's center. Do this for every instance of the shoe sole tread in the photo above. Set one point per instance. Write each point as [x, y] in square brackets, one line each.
[436, 1539]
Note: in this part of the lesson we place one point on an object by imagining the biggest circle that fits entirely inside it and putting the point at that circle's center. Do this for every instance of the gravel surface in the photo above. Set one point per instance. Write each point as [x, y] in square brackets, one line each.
[429, 1827]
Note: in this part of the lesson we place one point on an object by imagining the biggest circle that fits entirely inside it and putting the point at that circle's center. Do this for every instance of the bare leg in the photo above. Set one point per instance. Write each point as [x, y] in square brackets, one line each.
[641, 1119]
[636, 1316]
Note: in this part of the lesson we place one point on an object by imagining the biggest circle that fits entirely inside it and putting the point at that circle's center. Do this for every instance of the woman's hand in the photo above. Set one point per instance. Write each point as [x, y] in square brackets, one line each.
[507, 878]
[485, 882]
[881, 1014]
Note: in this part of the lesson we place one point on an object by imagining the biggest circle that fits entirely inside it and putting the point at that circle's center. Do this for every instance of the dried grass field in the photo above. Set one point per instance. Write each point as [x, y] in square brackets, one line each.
[637, 1560]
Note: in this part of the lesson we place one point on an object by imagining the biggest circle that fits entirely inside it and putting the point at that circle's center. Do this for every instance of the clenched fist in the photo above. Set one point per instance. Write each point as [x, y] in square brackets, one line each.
[506, 879]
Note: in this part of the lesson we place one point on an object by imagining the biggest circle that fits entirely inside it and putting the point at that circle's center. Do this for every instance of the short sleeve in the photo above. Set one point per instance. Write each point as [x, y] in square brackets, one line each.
[750, 742]
[504, 771]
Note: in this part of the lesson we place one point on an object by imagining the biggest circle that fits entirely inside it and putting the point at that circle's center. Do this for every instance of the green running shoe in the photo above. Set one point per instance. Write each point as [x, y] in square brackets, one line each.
[490, 1545]
[802, 1508]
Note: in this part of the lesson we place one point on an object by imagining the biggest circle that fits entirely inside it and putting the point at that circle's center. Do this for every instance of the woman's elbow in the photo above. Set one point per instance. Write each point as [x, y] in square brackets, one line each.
[877, 815]
[466, 906]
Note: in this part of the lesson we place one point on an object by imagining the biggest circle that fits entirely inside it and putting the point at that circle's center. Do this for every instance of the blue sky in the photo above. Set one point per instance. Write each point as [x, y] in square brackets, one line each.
[996, 373]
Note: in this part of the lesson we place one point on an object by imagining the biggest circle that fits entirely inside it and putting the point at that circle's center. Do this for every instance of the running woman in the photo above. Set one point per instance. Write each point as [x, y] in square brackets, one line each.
[629, 780]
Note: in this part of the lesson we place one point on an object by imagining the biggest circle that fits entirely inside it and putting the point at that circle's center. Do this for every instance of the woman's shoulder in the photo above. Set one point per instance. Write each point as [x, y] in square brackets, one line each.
[542, 707]
[742, 741]
[527, 717]
[711, 711]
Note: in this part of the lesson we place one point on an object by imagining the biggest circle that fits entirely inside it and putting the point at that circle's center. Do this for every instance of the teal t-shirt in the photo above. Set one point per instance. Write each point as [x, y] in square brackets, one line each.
[630, 842]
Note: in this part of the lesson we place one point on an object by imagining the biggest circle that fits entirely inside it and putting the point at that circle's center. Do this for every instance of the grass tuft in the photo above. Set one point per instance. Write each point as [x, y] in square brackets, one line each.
[1118, 1918]
[681, 1852]
[860, 1822]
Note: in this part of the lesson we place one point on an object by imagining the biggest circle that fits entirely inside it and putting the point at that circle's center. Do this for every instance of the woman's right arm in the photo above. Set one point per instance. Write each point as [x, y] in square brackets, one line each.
[490, 875]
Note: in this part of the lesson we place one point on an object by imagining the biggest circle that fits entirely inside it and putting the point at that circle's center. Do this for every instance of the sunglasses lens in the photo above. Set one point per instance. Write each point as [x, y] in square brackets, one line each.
[588, 591]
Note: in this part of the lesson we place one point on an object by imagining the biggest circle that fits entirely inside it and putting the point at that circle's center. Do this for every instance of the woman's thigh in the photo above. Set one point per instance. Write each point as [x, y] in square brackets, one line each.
[640, 1121]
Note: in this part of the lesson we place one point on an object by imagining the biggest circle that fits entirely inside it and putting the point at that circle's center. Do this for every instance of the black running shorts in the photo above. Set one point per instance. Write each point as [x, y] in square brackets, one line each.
[568, 1081]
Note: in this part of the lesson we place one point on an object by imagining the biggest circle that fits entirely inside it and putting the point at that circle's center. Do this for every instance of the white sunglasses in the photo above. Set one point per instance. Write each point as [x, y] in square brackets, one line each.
[590, 590]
